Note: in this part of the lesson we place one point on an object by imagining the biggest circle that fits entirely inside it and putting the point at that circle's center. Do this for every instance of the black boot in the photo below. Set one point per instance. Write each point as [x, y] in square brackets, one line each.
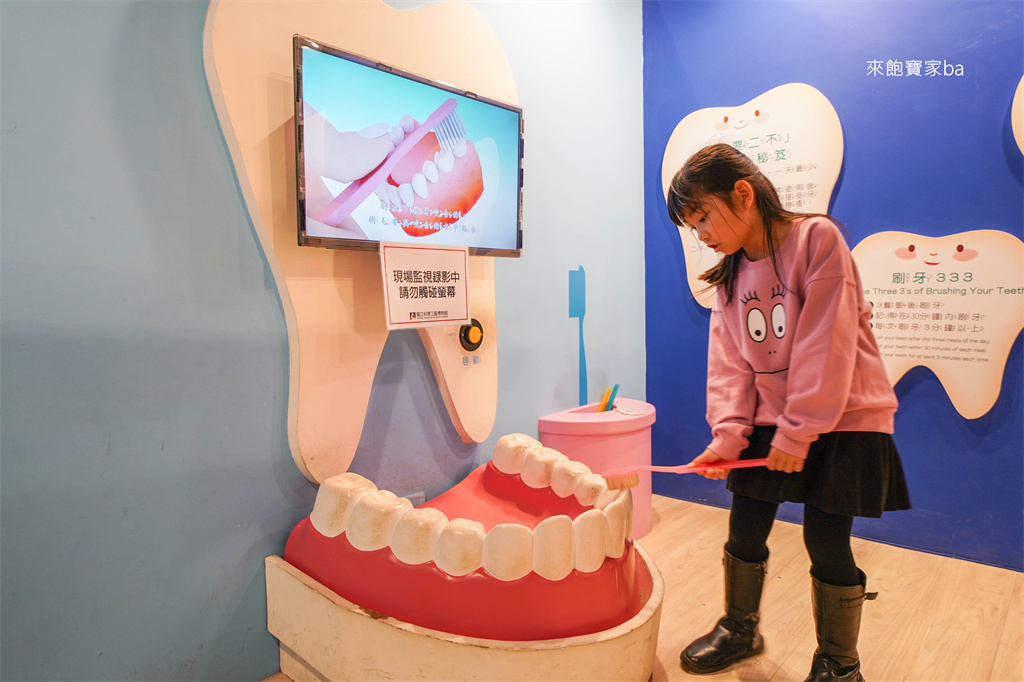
[735, 637]
[837, 626]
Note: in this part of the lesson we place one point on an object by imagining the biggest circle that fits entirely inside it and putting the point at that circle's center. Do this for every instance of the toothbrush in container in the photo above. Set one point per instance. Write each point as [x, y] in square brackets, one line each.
[629, 477]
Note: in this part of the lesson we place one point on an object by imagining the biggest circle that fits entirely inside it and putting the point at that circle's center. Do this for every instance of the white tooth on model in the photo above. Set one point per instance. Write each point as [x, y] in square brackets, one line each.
[510, 451]
[419, 185]
[408, 123]
[445, 161]
[588, 530]
[430, 171]
[376, 130]
[373, 518]
[607, 497]
[406, 193]
[460, 547]
[393, 195]
[397, 135]
[588, 488]
[565, 475]
[459, 149]
[629, 514]
[508, 551]
[538, 465]
[553, 556]
[615, 527]
[382, 193]
[334, 502]
[415, 535]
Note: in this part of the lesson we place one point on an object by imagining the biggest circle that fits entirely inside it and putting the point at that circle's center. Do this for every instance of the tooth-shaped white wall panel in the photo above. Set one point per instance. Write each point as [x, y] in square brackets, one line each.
[553, 555]
[460, 547]
[589, 488]
[615, 516]
[373, 519]
[588, 531]
[510, 451]
[416, 533]
[565, 475]
[334, 502]
[508, 551]
[538, 465]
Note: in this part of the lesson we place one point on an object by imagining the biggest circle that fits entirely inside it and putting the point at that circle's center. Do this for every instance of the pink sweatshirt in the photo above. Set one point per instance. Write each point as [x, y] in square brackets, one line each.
[797, 353]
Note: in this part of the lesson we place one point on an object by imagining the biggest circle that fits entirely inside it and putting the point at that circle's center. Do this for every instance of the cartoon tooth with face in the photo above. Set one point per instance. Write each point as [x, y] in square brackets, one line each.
[793, 134]
[952, 304]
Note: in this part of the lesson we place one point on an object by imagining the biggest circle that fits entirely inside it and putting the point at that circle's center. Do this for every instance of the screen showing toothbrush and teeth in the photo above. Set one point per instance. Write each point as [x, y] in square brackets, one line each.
[454, 183]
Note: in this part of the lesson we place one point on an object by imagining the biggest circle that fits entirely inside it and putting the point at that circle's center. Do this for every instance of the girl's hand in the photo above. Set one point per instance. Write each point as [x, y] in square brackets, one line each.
[707, 457]
[780, 461]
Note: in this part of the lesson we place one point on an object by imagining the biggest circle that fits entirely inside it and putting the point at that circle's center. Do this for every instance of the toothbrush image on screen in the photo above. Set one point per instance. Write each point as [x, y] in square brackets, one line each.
[431, 148]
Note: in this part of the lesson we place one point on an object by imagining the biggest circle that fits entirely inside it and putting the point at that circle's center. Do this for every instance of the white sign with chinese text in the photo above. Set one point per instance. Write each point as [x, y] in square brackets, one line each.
[953, 304]
[425, 286]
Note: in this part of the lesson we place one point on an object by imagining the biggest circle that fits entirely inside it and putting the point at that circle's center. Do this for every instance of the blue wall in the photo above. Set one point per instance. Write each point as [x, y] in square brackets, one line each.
[932, 156]
[144, 360]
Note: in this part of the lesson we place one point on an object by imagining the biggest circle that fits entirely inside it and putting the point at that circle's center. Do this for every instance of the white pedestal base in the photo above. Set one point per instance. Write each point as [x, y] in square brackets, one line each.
[326, 637]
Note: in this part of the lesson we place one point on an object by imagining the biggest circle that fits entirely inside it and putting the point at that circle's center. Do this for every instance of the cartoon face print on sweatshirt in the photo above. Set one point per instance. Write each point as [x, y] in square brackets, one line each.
[766, 340]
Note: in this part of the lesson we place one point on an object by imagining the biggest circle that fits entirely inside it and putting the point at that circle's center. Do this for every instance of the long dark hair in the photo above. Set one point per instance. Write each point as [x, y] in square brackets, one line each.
[713, 172]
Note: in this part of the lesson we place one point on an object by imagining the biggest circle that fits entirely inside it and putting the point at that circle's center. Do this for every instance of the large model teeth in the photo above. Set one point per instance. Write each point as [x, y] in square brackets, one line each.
[334, 502]
[538, 465]
[589, 487]
[616, 532]
[415, 535]
[565, 475]
[460, 547]
[373, 519]
[508, 551]
[553, 552]
[588, 531]
[510, 451]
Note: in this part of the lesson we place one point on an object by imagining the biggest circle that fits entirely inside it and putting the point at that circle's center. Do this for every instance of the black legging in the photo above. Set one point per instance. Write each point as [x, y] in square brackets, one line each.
[826, 537]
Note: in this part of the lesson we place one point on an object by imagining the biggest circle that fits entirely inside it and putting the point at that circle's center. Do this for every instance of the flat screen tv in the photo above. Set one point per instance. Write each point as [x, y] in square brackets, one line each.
[383, 155]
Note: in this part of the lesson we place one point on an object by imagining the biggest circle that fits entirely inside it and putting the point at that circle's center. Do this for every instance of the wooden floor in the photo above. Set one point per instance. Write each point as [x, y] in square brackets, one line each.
[935, 619]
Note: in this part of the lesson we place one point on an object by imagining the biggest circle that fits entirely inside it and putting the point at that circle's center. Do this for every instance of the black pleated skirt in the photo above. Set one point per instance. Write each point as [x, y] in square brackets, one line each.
[852, 473]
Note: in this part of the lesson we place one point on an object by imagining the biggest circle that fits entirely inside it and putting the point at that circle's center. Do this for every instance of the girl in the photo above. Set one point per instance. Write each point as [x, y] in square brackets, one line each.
[794, 376]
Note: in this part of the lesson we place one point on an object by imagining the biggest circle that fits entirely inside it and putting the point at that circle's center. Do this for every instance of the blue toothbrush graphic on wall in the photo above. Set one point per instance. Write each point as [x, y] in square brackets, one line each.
[578, 308]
